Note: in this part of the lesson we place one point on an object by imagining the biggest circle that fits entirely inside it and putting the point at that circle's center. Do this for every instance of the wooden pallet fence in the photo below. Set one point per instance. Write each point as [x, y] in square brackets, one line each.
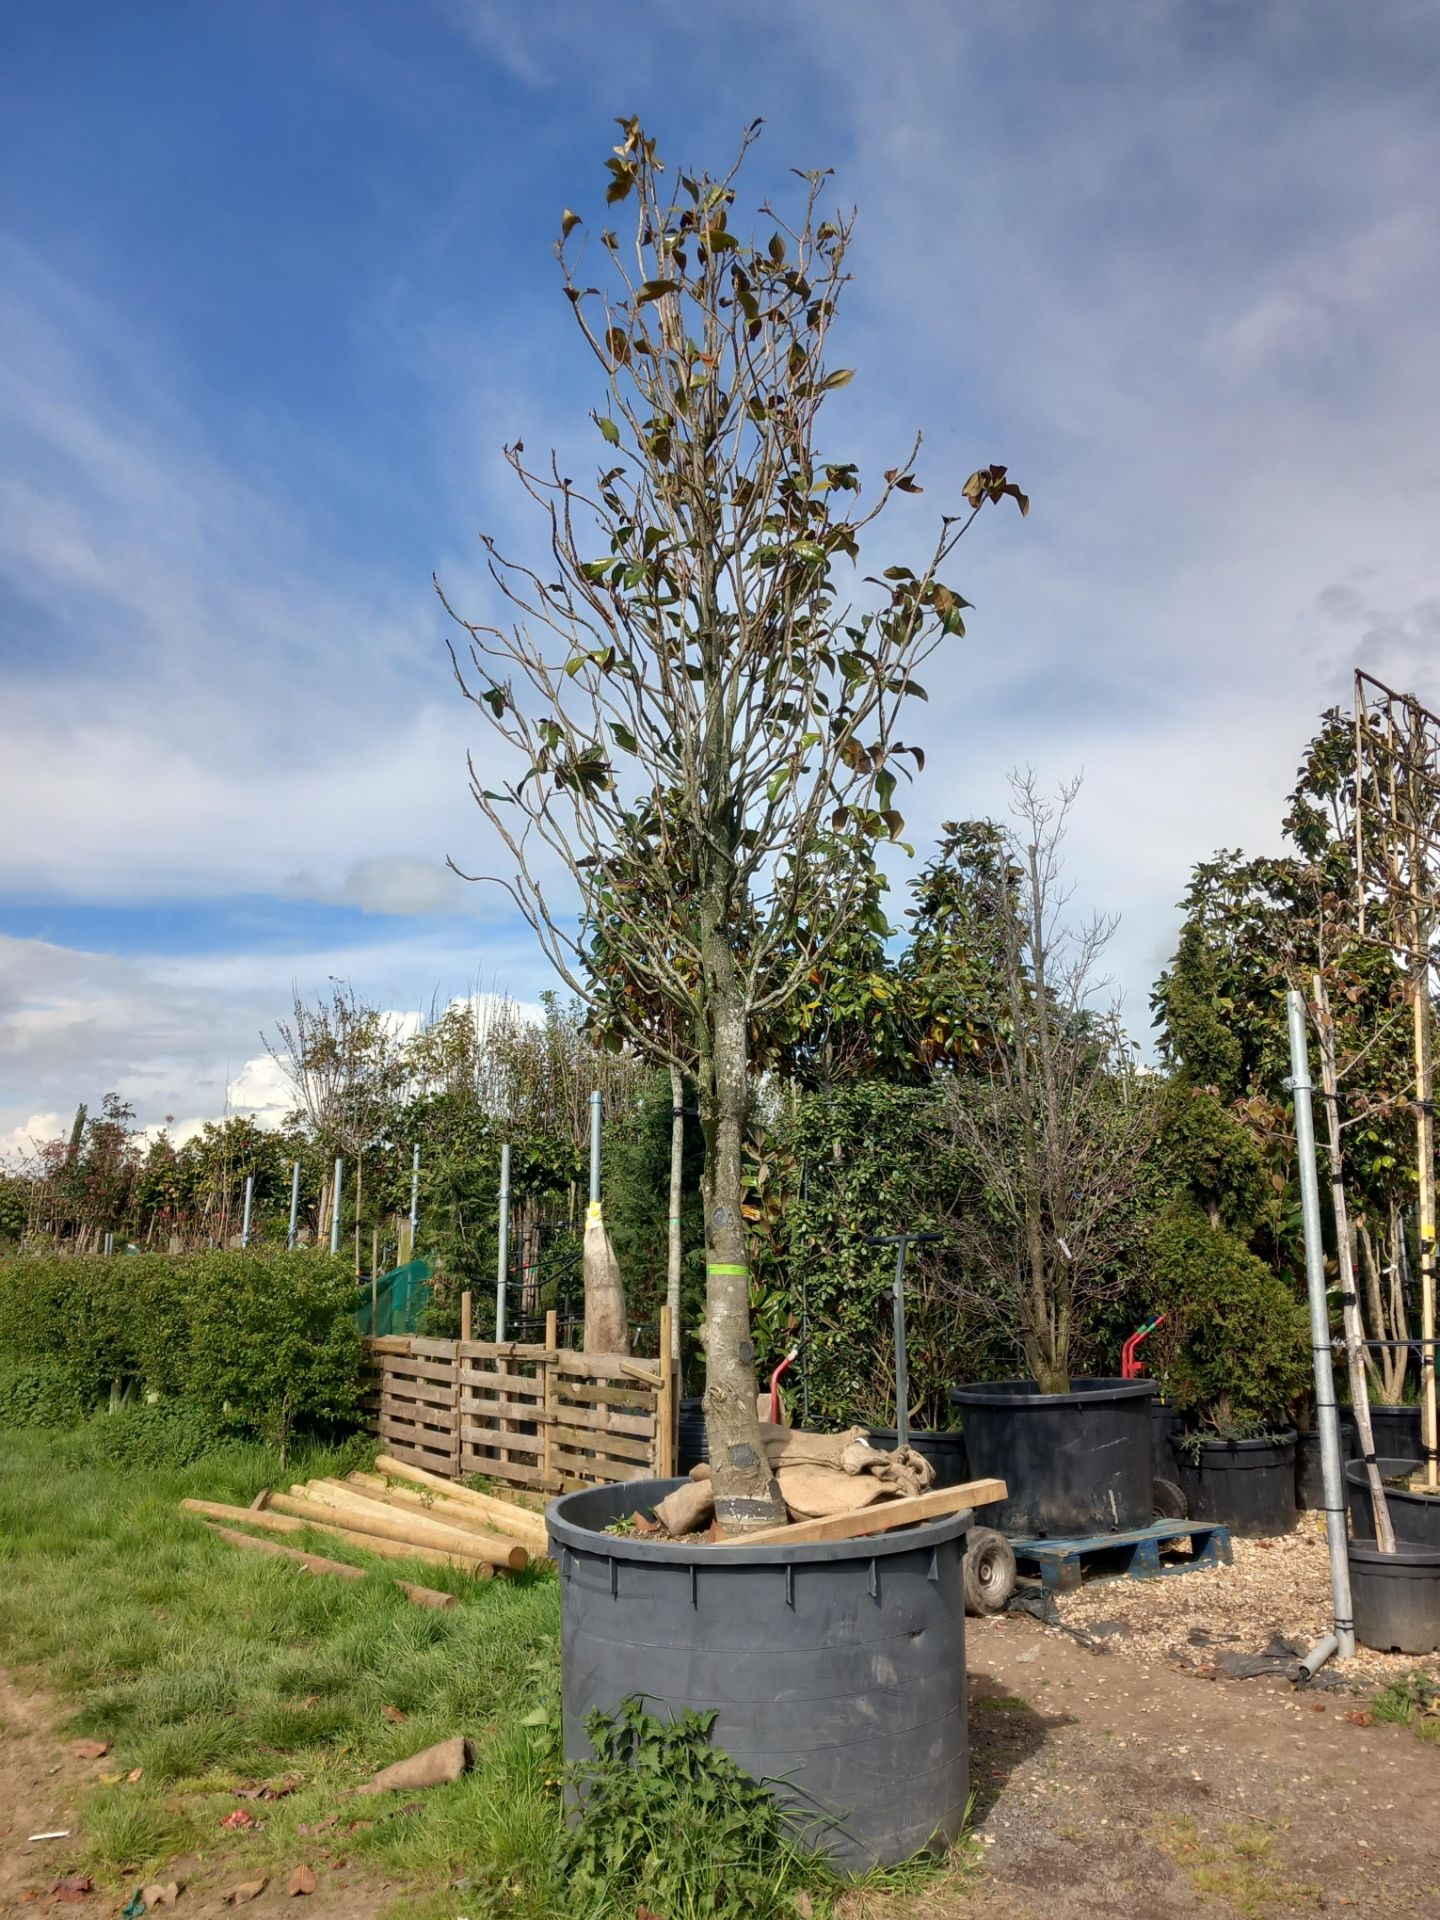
[538, 1416]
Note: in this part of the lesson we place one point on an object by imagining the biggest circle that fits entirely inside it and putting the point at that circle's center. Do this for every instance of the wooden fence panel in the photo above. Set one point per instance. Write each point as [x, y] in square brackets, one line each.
[538, 1417]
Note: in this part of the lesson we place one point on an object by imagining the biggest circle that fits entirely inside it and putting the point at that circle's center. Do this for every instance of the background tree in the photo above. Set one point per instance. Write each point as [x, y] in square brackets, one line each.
[706, 728]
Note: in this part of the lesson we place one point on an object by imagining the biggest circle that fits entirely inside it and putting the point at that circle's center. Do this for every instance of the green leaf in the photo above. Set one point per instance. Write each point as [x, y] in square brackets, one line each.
[655, 290]
[622, 736]
[609, 429]
[841, 377]
[569, 220]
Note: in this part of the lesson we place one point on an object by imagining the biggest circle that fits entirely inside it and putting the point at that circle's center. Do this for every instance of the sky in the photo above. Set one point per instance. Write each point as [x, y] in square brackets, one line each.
[276, 286]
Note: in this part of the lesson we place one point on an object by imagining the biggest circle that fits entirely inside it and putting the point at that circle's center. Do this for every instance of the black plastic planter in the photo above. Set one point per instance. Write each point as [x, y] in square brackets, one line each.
[1247, 1484]
[1309, 1475]
[1074, 1463]
[1414, 1516]
[1396, 1597]
[1396, 1431]
[836, 1672]
[1165, 1428]
[946, 1452]
[693, 1440]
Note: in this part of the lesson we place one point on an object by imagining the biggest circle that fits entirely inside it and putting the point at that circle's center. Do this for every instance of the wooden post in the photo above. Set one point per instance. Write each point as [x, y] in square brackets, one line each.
[666, 1405]
[465, 1314]
[548, 1372]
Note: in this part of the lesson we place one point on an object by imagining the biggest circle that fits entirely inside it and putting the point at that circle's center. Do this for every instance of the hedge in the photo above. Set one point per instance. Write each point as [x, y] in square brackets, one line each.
[255, 1342]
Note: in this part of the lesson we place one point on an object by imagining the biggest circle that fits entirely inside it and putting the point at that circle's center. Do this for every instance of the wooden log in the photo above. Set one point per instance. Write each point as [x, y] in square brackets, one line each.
[393, 1549]
[342, 1570]
[883, 1517]
[251, 1516]
[360, 1516]
[286, 1523]
[399, 1500]
[501, 1511]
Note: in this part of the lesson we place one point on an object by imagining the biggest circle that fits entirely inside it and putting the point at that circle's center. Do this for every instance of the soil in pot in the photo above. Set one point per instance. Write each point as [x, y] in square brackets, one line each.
[1309, 1476]
[1396, 1597]
[1414, 1516]
[1075, 1463]
[836, 1672]
[1249, 1485]
[946, 1452]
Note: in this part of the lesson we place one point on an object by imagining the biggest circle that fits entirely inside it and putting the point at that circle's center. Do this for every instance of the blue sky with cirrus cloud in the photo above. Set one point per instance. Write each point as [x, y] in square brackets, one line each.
[275, 286]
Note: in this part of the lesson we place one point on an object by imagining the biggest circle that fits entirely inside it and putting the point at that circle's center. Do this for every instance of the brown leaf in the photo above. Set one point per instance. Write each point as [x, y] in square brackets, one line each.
[239, 1820]
[1361, 1719]
[247, 1890]
[74, 1886]
[397, 1714]
[302, 1881]
[134, 1776]
[90, 1749]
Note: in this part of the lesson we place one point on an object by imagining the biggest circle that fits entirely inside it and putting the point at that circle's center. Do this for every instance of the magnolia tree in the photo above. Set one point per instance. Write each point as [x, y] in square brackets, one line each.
[701, 723]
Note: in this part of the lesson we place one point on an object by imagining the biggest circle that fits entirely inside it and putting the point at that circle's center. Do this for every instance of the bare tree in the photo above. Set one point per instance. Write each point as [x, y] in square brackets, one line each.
[1056, 1130]
[705, 727]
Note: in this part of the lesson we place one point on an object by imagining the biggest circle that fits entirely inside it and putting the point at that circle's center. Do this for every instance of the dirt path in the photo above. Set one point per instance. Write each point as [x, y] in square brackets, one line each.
[1109, 1785]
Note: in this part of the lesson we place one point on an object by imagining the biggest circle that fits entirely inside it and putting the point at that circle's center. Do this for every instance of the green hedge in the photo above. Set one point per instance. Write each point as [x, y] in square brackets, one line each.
[253, 1342]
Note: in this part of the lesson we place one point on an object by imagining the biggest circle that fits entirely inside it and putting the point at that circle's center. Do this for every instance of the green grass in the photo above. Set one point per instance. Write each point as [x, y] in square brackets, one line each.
[208, 1668]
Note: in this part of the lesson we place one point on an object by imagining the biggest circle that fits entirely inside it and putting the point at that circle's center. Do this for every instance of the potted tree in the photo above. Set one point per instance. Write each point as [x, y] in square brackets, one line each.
[1054, 1129]
[698, 739]
[1237, 1359]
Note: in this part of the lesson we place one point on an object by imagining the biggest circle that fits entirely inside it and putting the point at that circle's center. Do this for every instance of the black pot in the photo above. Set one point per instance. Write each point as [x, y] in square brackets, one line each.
[1397, 1432]
[1166, 1425]
[693, 1442]
[1309, 1476]
[1075, 1463]
[946, 1452]
[836, 1672]
[1396, 1597]
[1249, 1485]
[1414, 1516]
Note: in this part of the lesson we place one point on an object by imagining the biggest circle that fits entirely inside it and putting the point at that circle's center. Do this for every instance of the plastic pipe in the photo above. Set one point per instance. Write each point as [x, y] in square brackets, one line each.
[1327, 1417]
[595, 1148]
[502, 1252]
[249, 1208]
[294, 1204]
[414, 1198]
[1319, 1654]
[335, 1208]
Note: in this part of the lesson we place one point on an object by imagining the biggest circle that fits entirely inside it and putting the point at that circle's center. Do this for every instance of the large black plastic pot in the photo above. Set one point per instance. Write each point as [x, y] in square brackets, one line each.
[836, 1672]
[1247, 1484]
[946, 1452]
[1396, 1597]
[1309, 1474]
[1165, 1428]
[1414, 1516]
[1074, 1463]
[693, 1440]
[1397, 1432]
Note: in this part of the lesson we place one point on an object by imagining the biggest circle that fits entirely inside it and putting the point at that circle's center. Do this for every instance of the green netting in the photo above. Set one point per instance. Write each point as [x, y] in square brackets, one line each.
[400, 1299]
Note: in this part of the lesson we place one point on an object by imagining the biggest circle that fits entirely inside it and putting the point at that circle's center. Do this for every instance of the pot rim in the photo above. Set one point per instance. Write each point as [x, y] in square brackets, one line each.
[1391, 1466]
[1288, 1437]
[677, 1553]
[1364, 1552]
[1092, 1391]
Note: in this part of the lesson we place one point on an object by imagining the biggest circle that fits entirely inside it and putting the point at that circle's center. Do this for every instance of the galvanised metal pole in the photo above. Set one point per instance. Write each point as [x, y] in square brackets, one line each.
[902, 1371]
[414, 1198]
[249, 1209]
[294, 1204]
[595, 1147]
[1327, 1418]
[335, 1207]
[502, 1254]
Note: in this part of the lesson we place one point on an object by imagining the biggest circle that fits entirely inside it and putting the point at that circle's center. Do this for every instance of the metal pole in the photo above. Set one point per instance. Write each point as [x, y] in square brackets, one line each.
[249, 1209]
[335, 1207]
[1327, 1418]
[414, 1198]
[502, 1255]
[294, 1204]
[902, 1373]
[595, 1147]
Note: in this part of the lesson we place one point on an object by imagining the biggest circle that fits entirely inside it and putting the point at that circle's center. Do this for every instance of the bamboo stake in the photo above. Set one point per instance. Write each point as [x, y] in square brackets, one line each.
[1425, 1153]
[548, 1400]
[360, 1515]
[1349, 1298]
[666, 1407]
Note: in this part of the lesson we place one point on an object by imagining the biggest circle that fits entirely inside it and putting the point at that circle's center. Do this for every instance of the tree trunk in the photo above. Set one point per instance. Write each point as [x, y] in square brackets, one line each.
[746, 1496]
[675, 1249]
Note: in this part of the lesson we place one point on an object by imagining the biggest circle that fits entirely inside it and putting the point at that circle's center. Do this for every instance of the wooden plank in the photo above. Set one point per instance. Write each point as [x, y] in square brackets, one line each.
[623, 1399]
[478, 1434]
[406, 1369]
[602, 1366]
[616, 1446]
[883, 1517]
[633, 1370]
[597, 1470]
[509, 1471]
[510, 1349]
[473, 1377]
[547, 1465]
[432, 1349]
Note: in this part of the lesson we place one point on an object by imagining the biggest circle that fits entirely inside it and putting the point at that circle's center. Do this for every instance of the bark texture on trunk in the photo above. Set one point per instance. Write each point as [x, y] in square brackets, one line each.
[746, 1495]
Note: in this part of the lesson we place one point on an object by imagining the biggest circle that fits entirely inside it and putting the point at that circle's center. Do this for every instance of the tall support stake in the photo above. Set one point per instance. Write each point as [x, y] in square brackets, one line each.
[249, 1209]
[335, 1207]
[1326, 1417]
[675, 1246]
[502, 1252]
[1425, 1150]
[414, 1198]
[294, 1205]
[1349, 1297]
[595, 1104]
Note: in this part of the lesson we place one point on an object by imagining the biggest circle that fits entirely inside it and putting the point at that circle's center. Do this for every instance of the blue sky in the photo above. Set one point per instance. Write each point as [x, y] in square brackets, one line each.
[276, 285]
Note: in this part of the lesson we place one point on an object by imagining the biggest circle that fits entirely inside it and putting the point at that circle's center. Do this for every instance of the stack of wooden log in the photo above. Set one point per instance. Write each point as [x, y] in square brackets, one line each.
[398, 1512]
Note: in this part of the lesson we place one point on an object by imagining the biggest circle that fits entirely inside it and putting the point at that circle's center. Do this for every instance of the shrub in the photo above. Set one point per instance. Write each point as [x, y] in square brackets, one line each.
[1236, 1348]
[38, 1394]
[254, 1342]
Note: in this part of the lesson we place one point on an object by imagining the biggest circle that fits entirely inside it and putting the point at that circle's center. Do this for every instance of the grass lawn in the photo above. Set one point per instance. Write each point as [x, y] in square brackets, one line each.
[209, 1668]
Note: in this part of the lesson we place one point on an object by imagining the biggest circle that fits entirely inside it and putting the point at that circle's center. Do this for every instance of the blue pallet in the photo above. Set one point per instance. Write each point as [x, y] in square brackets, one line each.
[1061, 1564]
